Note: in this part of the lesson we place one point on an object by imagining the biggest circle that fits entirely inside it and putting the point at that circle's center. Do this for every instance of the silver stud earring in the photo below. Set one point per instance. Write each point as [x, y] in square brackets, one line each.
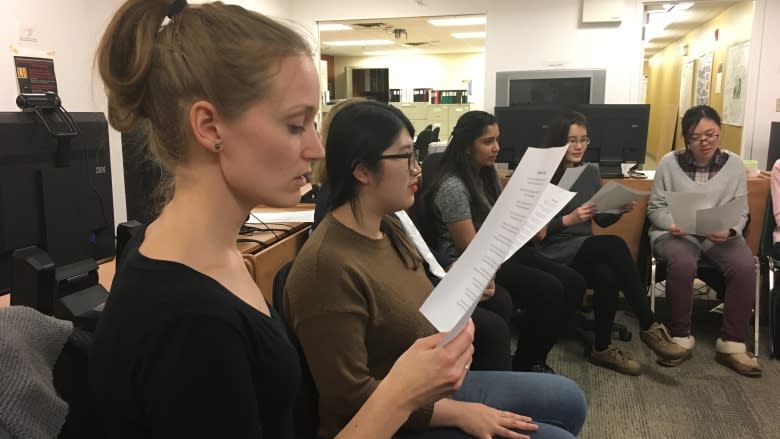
[218, 147]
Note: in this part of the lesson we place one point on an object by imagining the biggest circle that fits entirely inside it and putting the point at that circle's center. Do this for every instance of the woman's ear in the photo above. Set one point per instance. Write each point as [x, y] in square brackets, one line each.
[204, 121]
[361, 173]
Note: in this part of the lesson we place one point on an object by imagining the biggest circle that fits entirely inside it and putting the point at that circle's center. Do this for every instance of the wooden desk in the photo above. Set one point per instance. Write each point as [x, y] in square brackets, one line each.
[263, 258]
[630, 226]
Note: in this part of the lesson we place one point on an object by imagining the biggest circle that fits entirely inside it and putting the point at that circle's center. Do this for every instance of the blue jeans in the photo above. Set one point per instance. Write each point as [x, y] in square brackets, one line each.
[555, 403]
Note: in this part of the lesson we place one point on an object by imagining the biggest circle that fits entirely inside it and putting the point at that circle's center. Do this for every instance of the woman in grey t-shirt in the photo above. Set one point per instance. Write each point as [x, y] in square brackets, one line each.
[455, 206]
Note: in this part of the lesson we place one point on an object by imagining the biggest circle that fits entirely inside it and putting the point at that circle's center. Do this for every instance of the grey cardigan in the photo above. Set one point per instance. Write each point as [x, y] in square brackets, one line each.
[728, 184]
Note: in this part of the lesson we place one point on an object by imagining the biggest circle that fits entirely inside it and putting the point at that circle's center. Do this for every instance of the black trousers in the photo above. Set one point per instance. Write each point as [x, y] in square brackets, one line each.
[492, 344]
[608, 267]
[492, 337]
[548, 293]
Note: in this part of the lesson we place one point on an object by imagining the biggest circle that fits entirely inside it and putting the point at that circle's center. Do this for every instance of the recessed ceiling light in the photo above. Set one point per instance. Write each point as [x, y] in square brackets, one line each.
[330, 27]
[458, 21]
[468, 35]
[359, 43]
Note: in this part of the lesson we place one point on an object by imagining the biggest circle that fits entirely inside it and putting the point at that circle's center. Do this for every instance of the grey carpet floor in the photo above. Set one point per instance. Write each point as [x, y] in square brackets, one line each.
[699, 399]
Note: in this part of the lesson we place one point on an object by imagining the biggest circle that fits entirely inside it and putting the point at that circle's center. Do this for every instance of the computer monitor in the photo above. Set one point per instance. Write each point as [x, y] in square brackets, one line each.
[549, 91]
[618, 132]
[68, 210]
[522, 127]
[143, 178]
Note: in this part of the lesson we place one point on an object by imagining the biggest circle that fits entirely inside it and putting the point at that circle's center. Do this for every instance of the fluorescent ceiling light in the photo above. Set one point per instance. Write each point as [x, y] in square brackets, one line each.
[458, 21]
[468, 35]
[360, 43]
[392, 52]
[330, 27]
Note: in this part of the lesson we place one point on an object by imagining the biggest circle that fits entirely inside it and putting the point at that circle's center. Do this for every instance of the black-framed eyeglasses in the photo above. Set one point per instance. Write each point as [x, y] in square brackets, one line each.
[413, 158]
[706, 137]
[581, 141]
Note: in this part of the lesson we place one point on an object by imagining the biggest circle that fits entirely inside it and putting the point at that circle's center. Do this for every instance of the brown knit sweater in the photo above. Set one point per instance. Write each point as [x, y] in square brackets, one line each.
[354, 305]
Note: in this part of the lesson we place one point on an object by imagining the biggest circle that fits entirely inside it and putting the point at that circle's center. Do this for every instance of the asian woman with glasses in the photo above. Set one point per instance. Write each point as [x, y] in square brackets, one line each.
[355, 289]
[604, 260]
[719, 175]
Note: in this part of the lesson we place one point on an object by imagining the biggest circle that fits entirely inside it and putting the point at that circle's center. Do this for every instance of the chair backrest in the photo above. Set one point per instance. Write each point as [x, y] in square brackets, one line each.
[424, 138]
[766, 246]
[305, 414]
[436, 132]
[72, 383]
[430, 172]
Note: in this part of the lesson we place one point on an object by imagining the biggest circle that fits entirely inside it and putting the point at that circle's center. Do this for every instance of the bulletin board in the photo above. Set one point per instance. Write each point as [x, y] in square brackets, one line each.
[686, 86]
[736, 82]
[703, 76]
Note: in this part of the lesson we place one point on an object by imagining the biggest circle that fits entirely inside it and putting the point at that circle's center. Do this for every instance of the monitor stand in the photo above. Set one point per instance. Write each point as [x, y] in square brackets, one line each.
[610, 169]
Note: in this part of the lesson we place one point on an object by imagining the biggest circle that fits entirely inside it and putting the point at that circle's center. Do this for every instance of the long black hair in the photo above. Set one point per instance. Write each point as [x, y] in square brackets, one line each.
[456, 161]
[359, 134]
[558, 135]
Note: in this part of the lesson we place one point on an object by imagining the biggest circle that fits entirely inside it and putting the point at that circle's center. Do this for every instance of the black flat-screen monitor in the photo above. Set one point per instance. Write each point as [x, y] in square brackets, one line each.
[68, 211]
[522, 127]
[549, 91]
[143, 178]
[618, 132]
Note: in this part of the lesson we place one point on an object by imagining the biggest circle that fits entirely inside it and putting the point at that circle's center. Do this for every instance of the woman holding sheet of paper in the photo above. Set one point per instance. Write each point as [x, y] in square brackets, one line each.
[354, 293]
[604, 260]
[186, 345]
[492, 336]
[719, 177]
[455, 206]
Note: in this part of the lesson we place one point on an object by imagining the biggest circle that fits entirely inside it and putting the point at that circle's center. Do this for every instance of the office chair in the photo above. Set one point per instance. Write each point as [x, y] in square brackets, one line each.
[424, 139]
[305, 414]
[766, 252]
[436, 134]
[706, 271]
[72, 383]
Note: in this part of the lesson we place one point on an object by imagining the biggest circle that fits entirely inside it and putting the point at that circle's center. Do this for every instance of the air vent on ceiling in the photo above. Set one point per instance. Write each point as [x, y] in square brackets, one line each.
[419, 43]
[378, 25]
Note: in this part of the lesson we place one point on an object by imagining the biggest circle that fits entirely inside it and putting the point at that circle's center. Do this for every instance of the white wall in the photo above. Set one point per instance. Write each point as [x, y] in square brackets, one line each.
[521, 35]
[548, 35]
[438, 71]
[71, 29]
[763, 81]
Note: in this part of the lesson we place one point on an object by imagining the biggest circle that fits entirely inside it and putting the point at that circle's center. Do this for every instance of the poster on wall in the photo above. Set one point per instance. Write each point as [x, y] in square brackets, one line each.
[736, 81]
[703, 75]
[686, 86]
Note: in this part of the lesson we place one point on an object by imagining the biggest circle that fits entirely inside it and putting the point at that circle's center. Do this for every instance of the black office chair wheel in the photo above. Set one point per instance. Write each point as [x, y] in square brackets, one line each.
[625, 335]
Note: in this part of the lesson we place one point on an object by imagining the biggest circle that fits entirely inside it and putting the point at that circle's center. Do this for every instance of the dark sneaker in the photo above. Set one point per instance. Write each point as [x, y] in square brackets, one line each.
[658, 339]
[541, 368]
[616, 359]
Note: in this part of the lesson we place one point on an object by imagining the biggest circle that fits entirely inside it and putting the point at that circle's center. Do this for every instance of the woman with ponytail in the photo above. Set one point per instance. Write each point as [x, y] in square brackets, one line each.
[187, 346]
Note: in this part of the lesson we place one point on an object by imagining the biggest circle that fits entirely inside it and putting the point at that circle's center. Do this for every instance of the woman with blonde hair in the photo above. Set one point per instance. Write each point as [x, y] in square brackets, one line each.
[187, 346]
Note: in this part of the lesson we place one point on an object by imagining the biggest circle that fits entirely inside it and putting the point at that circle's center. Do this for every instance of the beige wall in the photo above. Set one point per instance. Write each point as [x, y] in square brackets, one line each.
[734, 25]
[446, 71]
